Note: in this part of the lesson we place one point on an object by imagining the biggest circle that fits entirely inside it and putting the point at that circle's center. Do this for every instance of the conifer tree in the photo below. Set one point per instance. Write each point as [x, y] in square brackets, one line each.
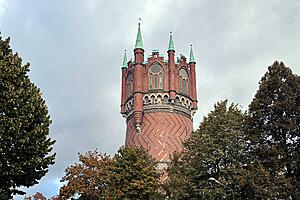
[274, 128]
[24, 126]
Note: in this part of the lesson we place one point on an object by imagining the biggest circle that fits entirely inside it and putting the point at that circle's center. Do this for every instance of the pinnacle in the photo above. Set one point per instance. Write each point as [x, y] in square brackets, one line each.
[139, 41]
[192, 58]
[171, 44]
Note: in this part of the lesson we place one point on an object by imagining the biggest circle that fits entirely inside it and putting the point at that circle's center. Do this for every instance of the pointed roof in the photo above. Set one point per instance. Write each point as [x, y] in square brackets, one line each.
[192, 58]
[139, 41]
[124, 60]
[171, 44]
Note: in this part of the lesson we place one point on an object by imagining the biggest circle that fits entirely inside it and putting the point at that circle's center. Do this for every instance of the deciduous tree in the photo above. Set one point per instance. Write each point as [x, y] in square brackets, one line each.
[274, 128]
[206, 168]
[130, 174]
[88, 179]
[24, 126]
[134, 175]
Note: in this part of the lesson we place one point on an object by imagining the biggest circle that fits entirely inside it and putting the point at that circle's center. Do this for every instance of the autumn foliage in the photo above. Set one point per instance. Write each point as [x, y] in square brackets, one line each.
[130, 174]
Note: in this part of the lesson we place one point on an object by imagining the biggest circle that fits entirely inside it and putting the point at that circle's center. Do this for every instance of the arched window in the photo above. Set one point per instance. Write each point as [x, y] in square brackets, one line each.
[183, 81]
[156, 77]
[129, 84]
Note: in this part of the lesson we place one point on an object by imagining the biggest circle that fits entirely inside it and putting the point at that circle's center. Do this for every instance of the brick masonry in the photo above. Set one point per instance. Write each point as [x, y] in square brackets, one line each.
[161, 134]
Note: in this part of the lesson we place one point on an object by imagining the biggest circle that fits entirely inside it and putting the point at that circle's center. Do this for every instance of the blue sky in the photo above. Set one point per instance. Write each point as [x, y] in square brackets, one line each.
[75, 49]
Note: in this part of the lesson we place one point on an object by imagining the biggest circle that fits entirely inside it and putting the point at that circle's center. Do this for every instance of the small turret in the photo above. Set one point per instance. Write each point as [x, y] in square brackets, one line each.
[138, 80]
[172, 69]
[192, 64]
[123, 94]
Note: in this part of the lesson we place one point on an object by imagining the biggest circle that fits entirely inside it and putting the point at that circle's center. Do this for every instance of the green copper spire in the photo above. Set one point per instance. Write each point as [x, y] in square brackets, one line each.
[124, 60]
[171, 45]
[139, 41]
[192, 58]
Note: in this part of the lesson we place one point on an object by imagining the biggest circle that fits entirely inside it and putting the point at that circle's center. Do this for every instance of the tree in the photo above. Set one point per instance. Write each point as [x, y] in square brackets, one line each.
[255, 182]
[134, 175]
[130, 174]
[88, 179]
[177, 186]
[206, 167]
[274, 121]
[40, 196]
[24, 126]
[36, 196]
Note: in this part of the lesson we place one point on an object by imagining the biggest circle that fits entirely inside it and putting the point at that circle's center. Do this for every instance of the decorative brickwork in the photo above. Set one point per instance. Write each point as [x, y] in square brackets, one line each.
[158, 100]
[161, 134]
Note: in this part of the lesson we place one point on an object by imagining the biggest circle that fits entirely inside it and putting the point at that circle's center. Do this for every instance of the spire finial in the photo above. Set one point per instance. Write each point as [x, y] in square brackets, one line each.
[139, 41]
[124, 60]
[192, 58]
[171, 44]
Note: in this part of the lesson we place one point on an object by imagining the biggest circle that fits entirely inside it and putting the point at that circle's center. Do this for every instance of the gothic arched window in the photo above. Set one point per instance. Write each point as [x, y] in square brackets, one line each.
[129, 84]
[156, 77]
[183, 81]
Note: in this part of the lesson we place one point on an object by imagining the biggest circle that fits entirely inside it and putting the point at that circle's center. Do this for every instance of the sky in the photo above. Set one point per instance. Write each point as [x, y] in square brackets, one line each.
[76, 48]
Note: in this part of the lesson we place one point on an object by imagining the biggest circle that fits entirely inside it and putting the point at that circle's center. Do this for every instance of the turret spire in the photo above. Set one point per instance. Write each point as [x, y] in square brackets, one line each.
[124, 60]
[171, 44]
[139, 41]
[192, 58]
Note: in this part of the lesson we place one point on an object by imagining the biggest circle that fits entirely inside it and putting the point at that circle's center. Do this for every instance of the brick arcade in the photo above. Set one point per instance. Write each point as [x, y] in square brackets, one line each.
[158, 100]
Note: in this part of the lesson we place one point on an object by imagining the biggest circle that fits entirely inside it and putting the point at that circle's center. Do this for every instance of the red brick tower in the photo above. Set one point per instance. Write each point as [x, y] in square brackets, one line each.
[158, 100]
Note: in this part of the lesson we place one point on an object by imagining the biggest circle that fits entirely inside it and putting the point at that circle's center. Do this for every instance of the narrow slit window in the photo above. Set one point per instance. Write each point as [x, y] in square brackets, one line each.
[150, 82]
[161, 82]
[183, 86]
[156, 81]
[180, 85]
[187, 87]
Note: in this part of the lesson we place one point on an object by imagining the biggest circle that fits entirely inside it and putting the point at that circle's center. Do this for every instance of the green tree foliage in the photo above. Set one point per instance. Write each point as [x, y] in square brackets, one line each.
[274, 129]
[24, 126]
[206, 168]
[130, 174]
[255, 182]
[177, 186]
[134, 175]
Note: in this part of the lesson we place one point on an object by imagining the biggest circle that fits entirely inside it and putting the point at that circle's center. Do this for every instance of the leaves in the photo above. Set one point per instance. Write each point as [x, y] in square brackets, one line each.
[130, 174]
[274, 121]
[134, 175]
[212, 151]
[24, 126]
[88, 178]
